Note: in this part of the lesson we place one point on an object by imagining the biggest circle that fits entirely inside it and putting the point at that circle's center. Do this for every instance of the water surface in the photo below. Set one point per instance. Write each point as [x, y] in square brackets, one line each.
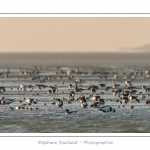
[94, 68]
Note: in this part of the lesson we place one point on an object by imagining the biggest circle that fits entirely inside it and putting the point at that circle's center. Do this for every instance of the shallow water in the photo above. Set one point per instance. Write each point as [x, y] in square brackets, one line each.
[93, 69]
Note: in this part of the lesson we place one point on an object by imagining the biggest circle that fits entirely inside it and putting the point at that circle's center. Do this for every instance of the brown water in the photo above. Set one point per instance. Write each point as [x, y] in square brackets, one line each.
[51, 119]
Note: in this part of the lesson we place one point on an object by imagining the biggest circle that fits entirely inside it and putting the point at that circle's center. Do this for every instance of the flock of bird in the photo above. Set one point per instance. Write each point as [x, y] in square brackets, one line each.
[78, 88]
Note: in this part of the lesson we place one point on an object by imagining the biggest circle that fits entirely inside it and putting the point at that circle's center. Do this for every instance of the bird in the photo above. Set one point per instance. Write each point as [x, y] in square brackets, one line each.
[133, 98]
[131, 107]
[11, 108]
[148, 102]
[133, 91]
[107, 88]
[81, 98]
[93, 90]
[127, 83]
[70, 86]
[58, 103]
[72, 93]
[80, 81]
[84, 103]
[115, 85]
[71, 98]
[124, 99]
[131, 87]
[144, 87]
[6, 101]
[96, 104]
[31, 100]
[30, 87]
[119, 91]
[101, 100]
[22, 87]
[147, 90]
[51, 91]
[39, 86]
[77, 89]
[126, 93]
[143, 96]
[2, 89]
[35, 101]
[90, 87]
[118, 106]
[19, 107]
[101, 86]
[107, 109]
[114, 93]
[28, 100]
[70, 112]
[94, 98]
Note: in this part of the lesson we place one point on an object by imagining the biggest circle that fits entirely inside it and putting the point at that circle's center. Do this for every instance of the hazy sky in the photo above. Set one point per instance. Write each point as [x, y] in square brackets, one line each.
[72, 34]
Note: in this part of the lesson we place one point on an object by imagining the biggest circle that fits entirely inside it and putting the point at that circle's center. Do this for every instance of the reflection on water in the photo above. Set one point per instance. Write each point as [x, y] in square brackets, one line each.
[93, 69]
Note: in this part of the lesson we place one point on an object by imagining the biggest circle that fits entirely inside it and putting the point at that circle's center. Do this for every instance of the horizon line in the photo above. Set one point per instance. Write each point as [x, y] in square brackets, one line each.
[81, 52]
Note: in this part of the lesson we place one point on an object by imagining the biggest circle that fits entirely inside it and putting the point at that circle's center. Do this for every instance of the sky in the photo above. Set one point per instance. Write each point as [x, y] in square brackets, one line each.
[73, 34]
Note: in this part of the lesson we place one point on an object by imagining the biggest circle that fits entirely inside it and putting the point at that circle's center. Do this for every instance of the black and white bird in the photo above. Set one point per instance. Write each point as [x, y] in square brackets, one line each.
[70, 112]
